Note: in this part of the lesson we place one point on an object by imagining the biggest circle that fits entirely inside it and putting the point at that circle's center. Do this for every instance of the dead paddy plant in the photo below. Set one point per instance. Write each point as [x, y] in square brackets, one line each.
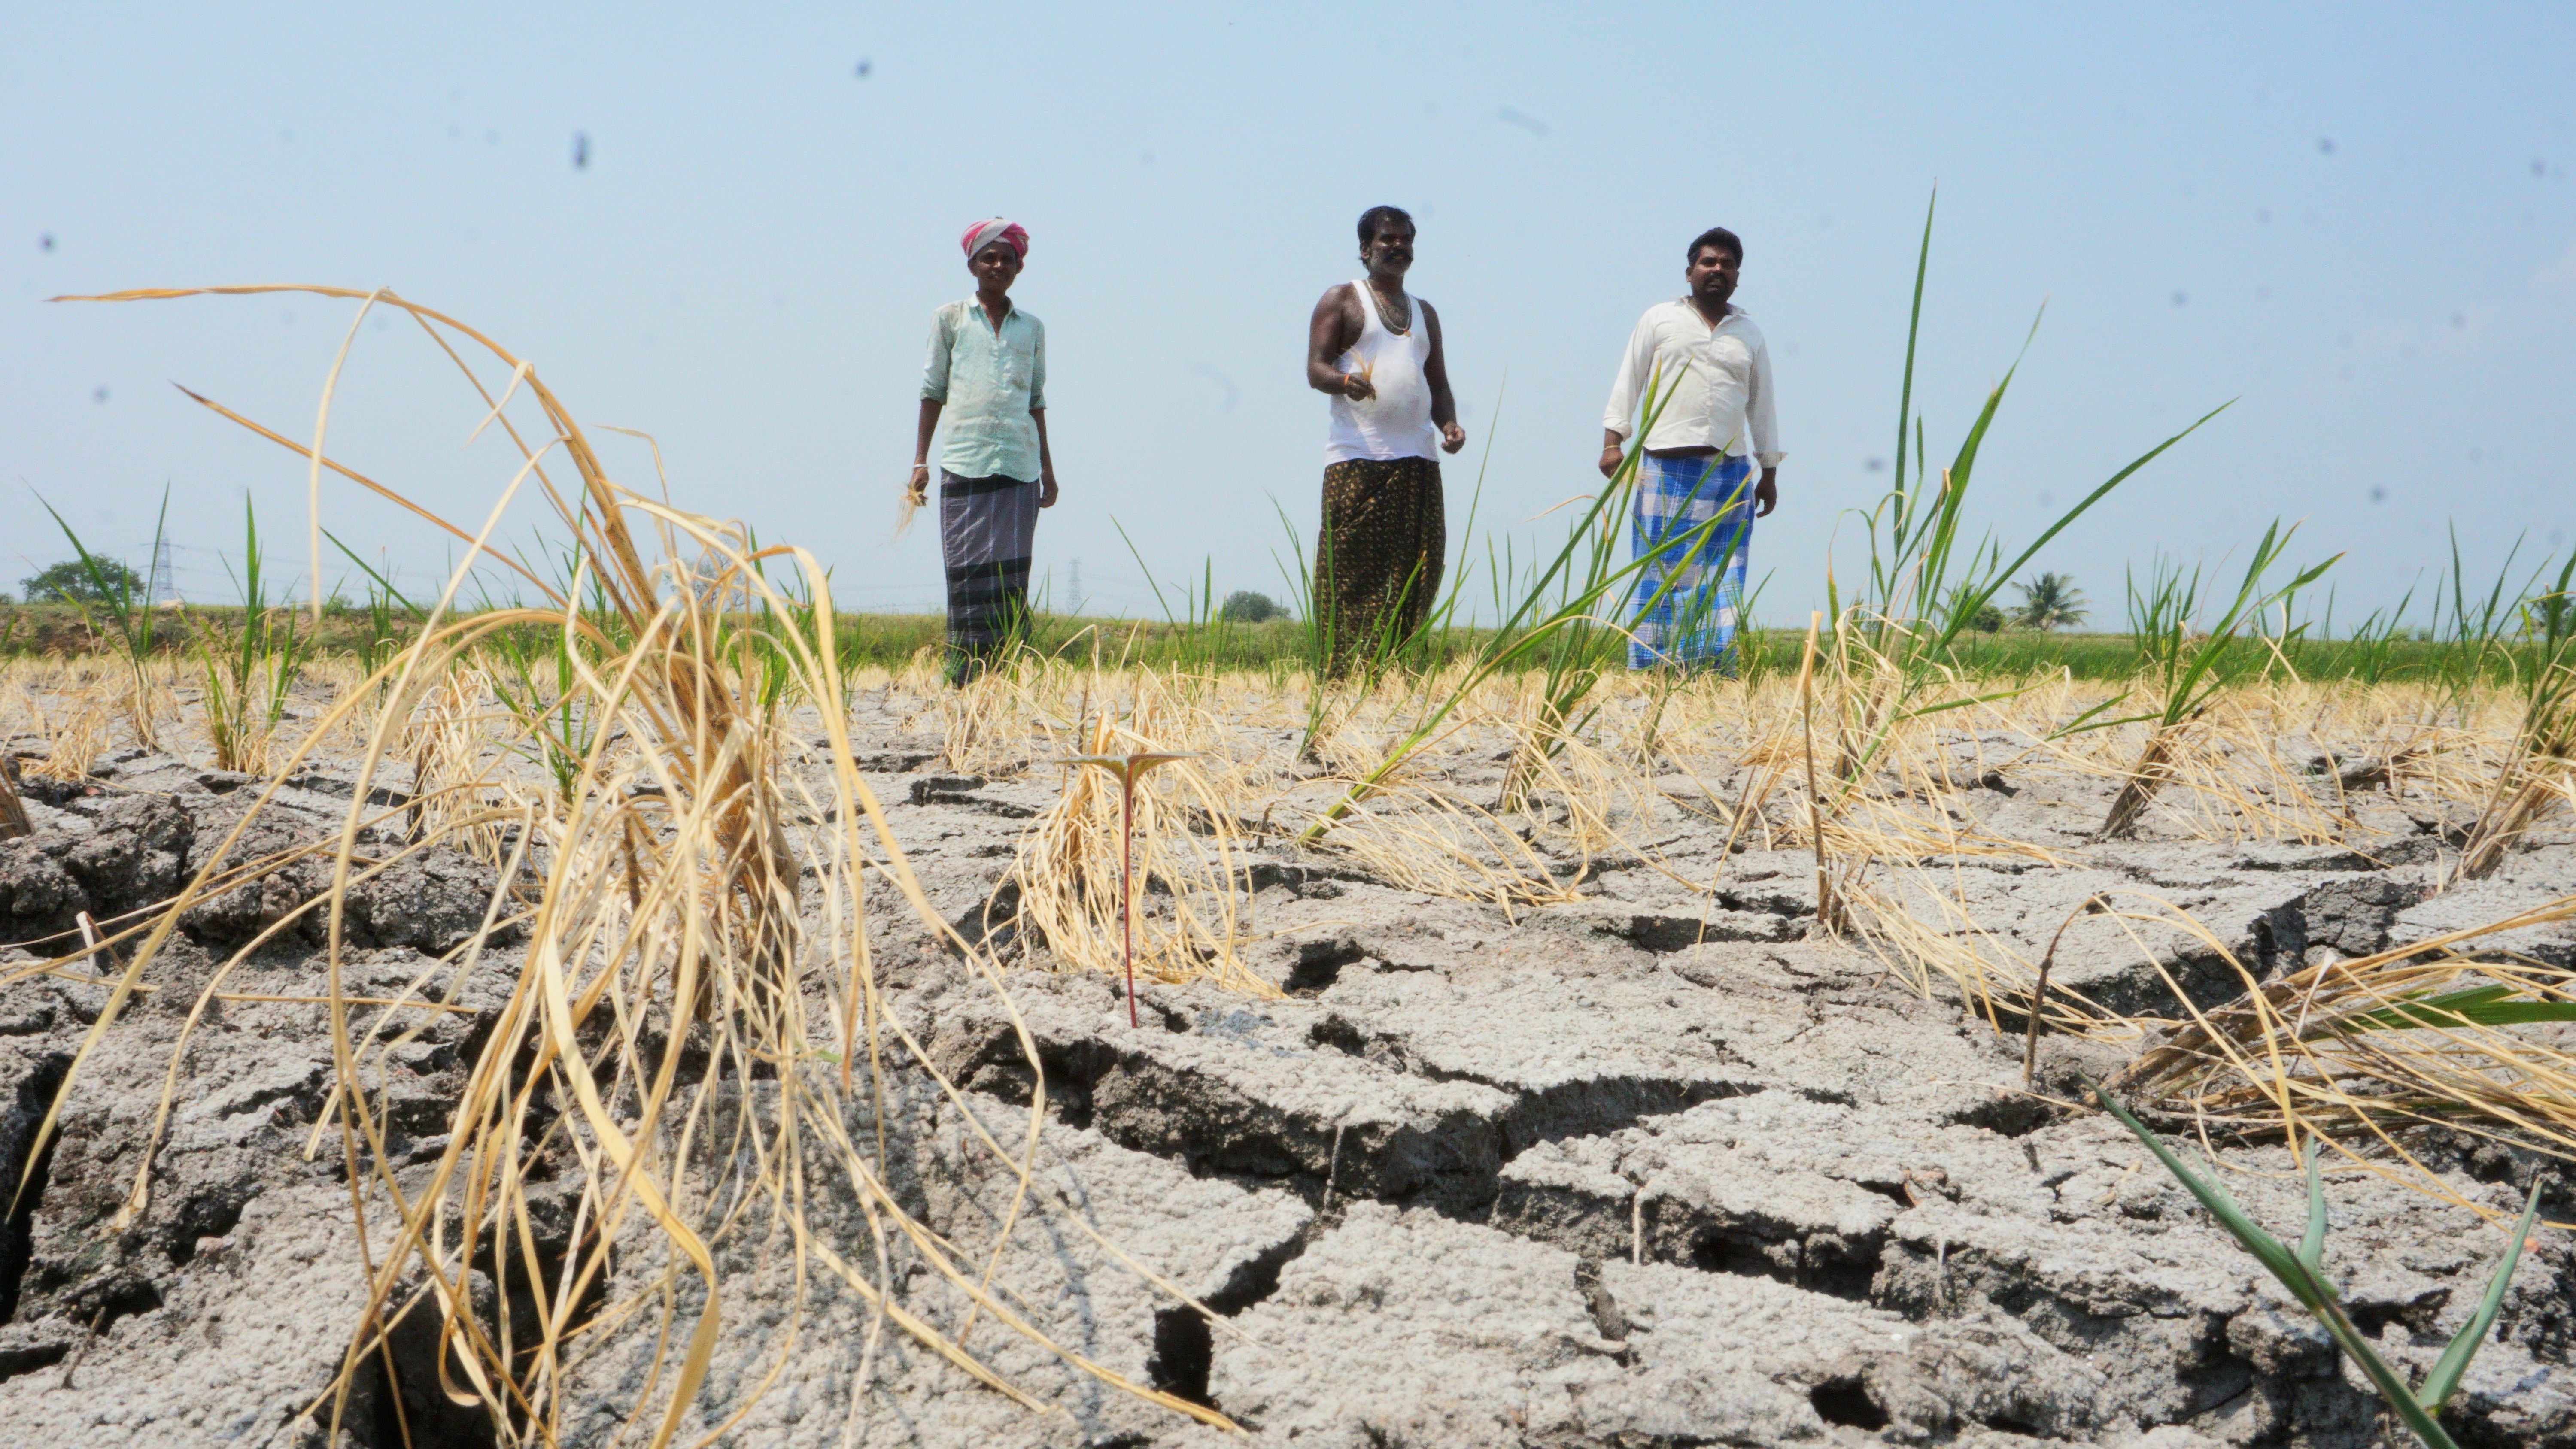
[2450, 1032]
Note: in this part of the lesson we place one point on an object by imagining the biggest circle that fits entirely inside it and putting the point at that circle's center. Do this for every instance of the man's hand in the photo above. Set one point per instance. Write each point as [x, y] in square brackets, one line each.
[1452, 437]
[1357, 388]
[1046, 485]
[919, 487]
[1766, 494]
[1611, 457]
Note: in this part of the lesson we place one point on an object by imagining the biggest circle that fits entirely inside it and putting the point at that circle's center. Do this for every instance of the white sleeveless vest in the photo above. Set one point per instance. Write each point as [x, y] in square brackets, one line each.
[1397, 422]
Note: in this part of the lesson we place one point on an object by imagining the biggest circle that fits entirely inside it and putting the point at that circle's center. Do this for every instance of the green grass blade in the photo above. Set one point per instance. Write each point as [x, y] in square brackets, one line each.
[2312, 1247]
[2308, 1286]
[113, 594]
[2444, 1380]
[380, 580]
[1947, 705]
[2266, 1249]
[2087, 721]
[2478, 1006]
[1913, 331]
[1995, 585]
[1161, 600]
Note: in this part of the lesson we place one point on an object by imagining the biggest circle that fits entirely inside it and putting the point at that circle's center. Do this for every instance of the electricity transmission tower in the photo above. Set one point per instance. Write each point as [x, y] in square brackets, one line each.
[161, 589]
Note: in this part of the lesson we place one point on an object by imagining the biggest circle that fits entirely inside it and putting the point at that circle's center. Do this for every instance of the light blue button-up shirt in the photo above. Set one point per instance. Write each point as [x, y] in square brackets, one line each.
[988, 380]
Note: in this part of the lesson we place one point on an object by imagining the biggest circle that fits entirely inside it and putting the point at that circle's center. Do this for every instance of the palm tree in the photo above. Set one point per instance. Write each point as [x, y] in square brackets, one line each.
[2050, 601]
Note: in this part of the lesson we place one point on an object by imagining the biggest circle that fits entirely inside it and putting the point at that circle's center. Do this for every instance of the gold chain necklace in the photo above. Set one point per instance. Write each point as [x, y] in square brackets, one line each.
[1383, 318]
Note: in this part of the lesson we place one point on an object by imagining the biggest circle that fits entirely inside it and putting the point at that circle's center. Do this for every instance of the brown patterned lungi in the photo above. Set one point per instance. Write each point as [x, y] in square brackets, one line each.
[1378, 556]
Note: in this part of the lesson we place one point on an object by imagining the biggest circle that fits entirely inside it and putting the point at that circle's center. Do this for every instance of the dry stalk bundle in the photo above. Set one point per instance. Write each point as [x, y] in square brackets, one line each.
[454, 739]
[2526, 794]
[2221, 777]
[75, 729]
[13, 815]
[1590, 790]
[1073, 868]
[2538, 777]
[985, 723]
[1423, 839]
[1402, 817]
[2437, 1033]
[1928, 937]
[2148, 777]
[2541, 771]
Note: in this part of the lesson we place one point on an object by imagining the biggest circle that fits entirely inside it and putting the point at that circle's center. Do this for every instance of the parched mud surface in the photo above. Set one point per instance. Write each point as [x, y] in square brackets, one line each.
[1651, 1169]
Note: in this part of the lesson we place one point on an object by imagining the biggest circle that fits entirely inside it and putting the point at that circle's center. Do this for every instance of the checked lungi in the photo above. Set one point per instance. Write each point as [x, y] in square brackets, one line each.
[1687, 600]
[1377, 555]
[987, 530]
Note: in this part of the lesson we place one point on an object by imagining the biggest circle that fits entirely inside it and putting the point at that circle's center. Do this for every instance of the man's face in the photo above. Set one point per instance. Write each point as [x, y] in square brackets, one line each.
[1391, 249]
[1712, 275]
[994, 267]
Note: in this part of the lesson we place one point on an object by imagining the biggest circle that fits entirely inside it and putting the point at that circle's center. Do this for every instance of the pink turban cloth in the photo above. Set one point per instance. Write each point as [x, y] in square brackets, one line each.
[984, 233]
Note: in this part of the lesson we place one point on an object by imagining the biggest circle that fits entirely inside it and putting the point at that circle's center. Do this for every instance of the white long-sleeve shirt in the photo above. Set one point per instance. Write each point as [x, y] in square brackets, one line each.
[1721, 399]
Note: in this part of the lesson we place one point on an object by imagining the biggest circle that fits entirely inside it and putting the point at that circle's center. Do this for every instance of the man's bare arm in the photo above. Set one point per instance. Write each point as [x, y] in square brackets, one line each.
[1614, 451]
[1046, 461]
[1632, 379]
[1435, 372]
[1335, 327]
[930, 409]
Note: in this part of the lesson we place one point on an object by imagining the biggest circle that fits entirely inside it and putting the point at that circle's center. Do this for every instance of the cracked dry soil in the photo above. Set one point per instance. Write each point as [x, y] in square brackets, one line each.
[1653, 1169]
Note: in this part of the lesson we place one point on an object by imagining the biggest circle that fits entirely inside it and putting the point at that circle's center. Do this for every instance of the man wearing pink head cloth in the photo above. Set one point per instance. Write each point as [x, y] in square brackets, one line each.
[986, 373]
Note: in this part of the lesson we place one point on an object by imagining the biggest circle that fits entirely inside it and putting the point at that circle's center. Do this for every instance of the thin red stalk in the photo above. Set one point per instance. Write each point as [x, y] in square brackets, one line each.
[1127, 881]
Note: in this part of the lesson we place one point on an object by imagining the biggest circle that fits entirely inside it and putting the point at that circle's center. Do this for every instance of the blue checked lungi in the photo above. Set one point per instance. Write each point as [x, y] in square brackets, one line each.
[1687, 600]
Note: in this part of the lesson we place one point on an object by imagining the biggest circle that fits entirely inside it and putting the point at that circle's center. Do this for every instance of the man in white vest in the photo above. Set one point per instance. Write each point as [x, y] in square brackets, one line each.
[1375, 349]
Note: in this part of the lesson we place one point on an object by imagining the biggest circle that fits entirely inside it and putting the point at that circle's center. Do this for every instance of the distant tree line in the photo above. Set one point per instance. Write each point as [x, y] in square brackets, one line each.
[71, 580]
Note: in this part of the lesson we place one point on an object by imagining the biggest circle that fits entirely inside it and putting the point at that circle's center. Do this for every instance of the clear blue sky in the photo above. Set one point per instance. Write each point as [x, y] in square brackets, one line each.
[2356, 220]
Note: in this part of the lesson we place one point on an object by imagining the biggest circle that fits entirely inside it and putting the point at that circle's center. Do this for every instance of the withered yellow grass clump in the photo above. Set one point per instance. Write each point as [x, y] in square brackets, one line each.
[2422, 1034]
[1137, 809]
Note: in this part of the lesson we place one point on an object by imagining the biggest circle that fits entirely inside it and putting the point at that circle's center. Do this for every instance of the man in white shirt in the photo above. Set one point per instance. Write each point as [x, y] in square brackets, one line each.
[1700, 363]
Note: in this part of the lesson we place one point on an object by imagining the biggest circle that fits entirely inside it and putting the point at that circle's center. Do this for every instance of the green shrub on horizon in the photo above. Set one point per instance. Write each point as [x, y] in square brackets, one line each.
[1245, 606]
